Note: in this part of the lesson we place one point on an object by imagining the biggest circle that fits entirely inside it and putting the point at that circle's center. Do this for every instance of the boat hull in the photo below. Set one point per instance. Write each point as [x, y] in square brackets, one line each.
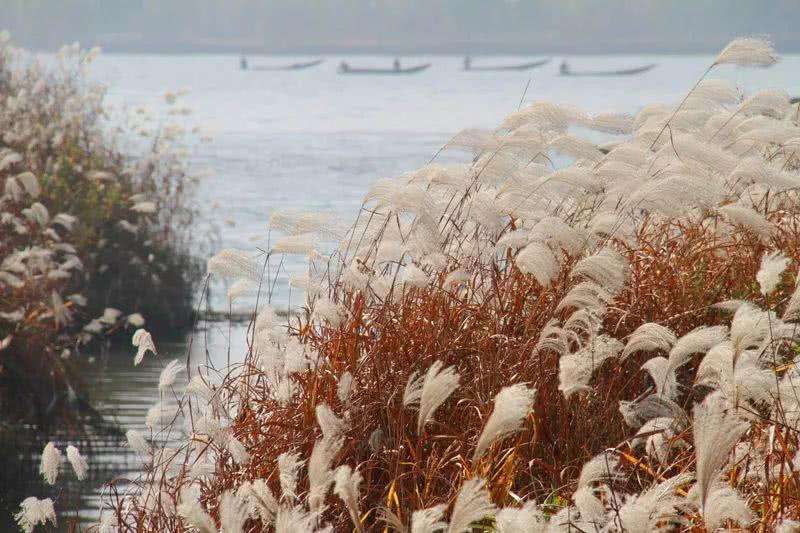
[506, 68]
[623, 72]
[296, 66]
[410, 70]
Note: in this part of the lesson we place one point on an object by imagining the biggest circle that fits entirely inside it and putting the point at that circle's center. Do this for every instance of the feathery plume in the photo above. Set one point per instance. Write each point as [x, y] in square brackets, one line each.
[792, 311]
[772, 267]
[167, 377]
[161, 414]
[332, 426]
[651, 406]
[511, 406]
[428, 520]
[302, 244]
[343, 386]
[78, 462]
[193, 514]
[346, 486]
[649, 337]
[591, 508]
[413, 276]
[750, 219]
[137, 442]
[327, 310]
[576, 369]
[33, 512]
[538, 260]
[50, 463]
[295, 520]
[747, 52]
[787, 526]
[601, 468]
[237, 449]
[615, 123]
[558, 235]
[232, 512]
[288, 470]
[232, 263]
[723, 504]
[259, 499]
[437, 386]
[31, 183]
[527, 519]
[654, 507]
[144, 343]
[472, 504]
[716, 431]
[607, 268]
[320, 475]
[696, 341]
[663, 376]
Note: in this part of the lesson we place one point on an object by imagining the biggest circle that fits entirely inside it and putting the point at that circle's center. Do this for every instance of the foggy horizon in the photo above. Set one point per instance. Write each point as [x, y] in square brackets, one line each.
[397, 26]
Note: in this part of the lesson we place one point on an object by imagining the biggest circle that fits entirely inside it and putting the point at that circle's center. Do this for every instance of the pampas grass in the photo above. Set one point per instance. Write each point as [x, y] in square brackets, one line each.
[623, 289]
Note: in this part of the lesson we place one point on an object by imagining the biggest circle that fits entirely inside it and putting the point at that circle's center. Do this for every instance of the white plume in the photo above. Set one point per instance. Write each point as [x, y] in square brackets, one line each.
[748, 52]
[511, 406]
[430, 391]
[50, 463]
[716, 431]
[169, 373]
[472, 504]
[428, 520]
[772, 267]
[78, 462]
[650, 337]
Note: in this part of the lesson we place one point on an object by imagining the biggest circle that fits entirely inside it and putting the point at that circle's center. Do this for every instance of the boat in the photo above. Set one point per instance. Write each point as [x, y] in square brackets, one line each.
[523, 66]
[293, 66]
[344, 68]
[564, 70]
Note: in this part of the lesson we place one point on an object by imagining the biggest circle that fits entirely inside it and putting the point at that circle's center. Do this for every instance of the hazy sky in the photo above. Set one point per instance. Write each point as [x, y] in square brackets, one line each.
[400, 26]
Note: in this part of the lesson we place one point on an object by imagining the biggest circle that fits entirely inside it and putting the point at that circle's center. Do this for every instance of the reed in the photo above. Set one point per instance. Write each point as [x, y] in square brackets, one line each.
[506, 346]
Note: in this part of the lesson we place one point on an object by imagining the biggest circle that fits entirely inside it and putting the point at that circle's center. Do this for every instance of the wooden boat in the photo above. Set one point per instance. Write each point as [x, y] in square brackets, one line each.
[564, 70]
[293, 66]
[346, 69]
[523, 66]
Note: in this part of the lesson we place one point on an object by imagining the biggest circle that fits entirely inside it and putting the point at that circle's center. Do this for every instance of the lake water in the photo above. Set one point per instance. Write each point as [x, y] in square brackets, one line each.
[315, 140]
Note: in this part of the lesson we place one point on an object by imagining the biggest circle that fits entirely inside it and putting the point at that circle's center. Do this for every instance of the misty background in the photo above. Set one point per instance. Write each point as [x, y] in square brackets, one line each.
[400, 26]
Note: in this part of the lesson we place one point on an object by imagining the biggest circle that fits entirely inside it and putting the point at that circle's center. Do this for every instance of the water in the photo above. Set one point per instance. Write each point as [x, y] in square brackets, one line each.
[314, 139]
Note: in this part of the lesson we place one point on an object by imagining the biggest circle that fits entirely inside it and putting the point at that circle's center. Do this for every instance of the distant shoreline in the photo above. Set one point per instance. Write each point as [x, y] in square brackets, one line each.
[477, 49]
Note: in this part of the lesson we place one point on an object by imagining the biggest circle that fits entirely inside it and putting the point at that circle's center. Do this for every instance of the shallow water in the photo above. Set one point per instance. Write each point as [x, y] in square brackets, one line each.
[314, 139]
[122, 393]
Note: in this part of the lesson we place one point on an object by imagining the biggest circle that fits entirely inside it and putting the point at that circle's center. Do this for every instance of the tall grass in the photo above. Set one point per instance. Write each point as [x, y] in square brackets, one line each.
[507, 346]
[94, 241]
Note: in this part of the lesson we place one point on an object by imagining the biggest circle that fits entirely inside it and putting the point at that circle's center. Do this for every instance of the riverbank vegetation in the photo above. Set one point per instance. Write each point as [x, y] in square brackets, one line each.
[93, 240]
[509, 346]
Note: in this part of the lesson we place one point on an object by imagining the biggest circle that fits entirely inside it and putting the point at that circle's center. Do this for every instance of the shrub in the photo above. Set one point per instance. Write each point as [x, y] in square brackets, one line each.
[86, 230]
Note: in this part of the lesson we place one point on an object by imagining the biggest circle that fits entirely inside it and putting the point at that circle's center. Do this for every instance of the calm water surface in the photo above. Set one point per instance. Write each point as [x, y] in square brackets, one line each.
[315, 140]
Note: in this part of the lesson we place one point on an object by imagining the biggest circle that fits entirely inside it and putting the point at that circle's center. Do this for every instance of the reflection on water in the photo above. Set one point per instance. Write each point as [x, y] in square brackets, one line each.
[122, 394]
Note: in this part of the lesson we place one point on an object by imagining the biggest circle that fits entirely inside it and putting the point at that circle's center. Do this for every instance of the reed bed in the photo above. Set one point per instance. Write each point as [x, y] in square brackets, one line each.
[509, 346]
[93, 239]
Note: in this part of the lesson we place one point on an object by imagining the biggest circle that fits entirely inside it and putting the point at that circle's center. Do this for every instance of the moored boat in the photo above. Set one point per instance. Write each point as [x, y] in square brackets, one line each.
[344, 68]
[564, 70]
[293, 66]
[468, 66]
